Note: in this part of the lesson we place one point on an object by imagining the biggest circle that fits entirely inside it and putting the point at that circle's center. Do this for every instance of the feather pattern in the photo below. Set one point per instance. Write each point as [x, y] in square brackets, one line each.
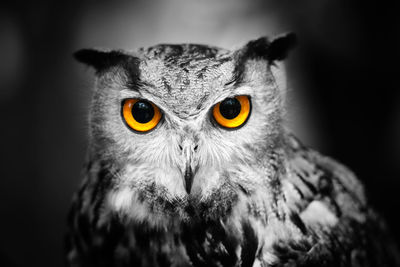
[258, 198]
[320, 218]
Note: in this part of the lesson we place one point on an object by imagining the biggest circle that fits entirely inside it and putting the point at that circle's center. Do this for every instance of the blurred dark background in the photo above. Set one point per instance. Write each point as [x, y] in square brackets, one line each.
[345, 73]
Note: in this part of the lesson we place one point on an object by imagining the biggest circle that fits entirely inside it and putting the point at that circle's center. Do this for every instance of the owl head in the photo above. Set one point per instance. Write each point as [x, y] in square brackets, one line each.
[186, 131]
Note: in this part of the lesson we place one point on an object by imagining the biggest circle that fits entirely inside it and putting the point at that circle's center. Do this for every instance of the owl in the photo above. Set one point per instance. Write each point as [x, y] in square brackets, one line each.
[190, 163]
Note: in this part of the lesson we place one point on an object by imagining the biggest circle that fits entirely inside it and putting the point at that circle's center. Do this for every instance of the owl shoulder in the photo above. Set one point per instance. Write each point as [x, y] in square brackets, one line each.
[319, 180]
[331, 202]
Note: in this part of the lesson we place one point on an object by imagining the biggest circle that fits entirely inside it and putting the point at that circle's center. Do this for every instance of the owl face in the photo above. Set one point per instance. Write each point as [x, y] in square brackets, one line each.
[185, 131]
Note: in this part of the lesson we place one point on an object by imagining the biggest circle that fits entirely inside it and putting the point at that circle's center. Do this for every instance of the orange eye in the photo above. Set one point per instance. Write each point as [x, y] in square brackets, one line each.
[140, 115]
[232, 112]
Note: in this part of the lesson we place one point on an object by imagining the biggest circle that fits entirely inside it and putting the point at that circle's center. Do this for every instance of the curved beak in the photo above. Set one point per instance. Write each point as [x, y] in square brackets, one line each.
[188, 178]
[188, 149]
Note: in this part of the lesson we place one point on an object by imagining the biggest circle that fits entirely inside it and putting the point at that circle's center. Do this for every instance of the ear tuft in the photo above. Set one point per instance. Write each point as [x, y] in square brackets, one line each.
[100, 60]
[279, 47]
[263, 48]
[256, 48]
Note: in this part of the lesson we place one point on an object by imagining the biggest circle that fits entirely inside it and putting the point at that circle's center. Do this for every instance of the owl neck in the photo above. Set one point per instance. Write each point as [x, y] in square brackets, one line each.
[256, 221]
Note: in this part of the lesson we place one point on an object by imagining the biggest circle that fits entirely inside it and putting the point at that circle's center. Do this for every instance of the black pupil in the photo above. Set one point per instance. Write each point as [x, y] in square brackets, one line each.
[142, 111]
[230, 108]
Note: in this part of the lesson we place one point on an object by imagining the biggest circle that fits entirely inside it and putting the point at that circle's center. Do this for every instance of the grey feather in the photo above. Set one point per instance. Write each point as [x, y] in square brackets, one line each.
[258, 197]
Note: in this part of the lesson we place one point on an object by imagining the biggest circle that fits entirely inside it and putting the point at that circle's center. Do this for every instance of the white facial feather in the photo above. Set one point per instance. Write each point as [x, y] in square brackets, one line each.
[223, 161]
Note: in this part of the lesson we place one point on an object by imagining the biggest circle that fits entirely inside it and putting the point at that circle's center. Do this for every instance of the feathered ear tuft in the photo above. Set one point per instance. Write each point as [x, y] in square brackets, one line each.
[100, 60]
[280, 46]
[274, 50]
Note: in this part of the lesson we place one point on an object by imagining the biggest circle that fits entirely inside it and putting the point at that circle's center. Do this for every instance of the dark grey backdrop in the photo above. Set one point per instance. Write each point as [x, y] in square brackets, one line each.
[346, 72]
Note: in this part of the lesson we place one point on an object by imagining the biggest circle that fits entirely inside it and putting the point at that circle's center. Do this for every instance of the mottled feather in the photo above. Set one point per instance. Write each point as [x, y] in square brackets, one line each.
[259, 197]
